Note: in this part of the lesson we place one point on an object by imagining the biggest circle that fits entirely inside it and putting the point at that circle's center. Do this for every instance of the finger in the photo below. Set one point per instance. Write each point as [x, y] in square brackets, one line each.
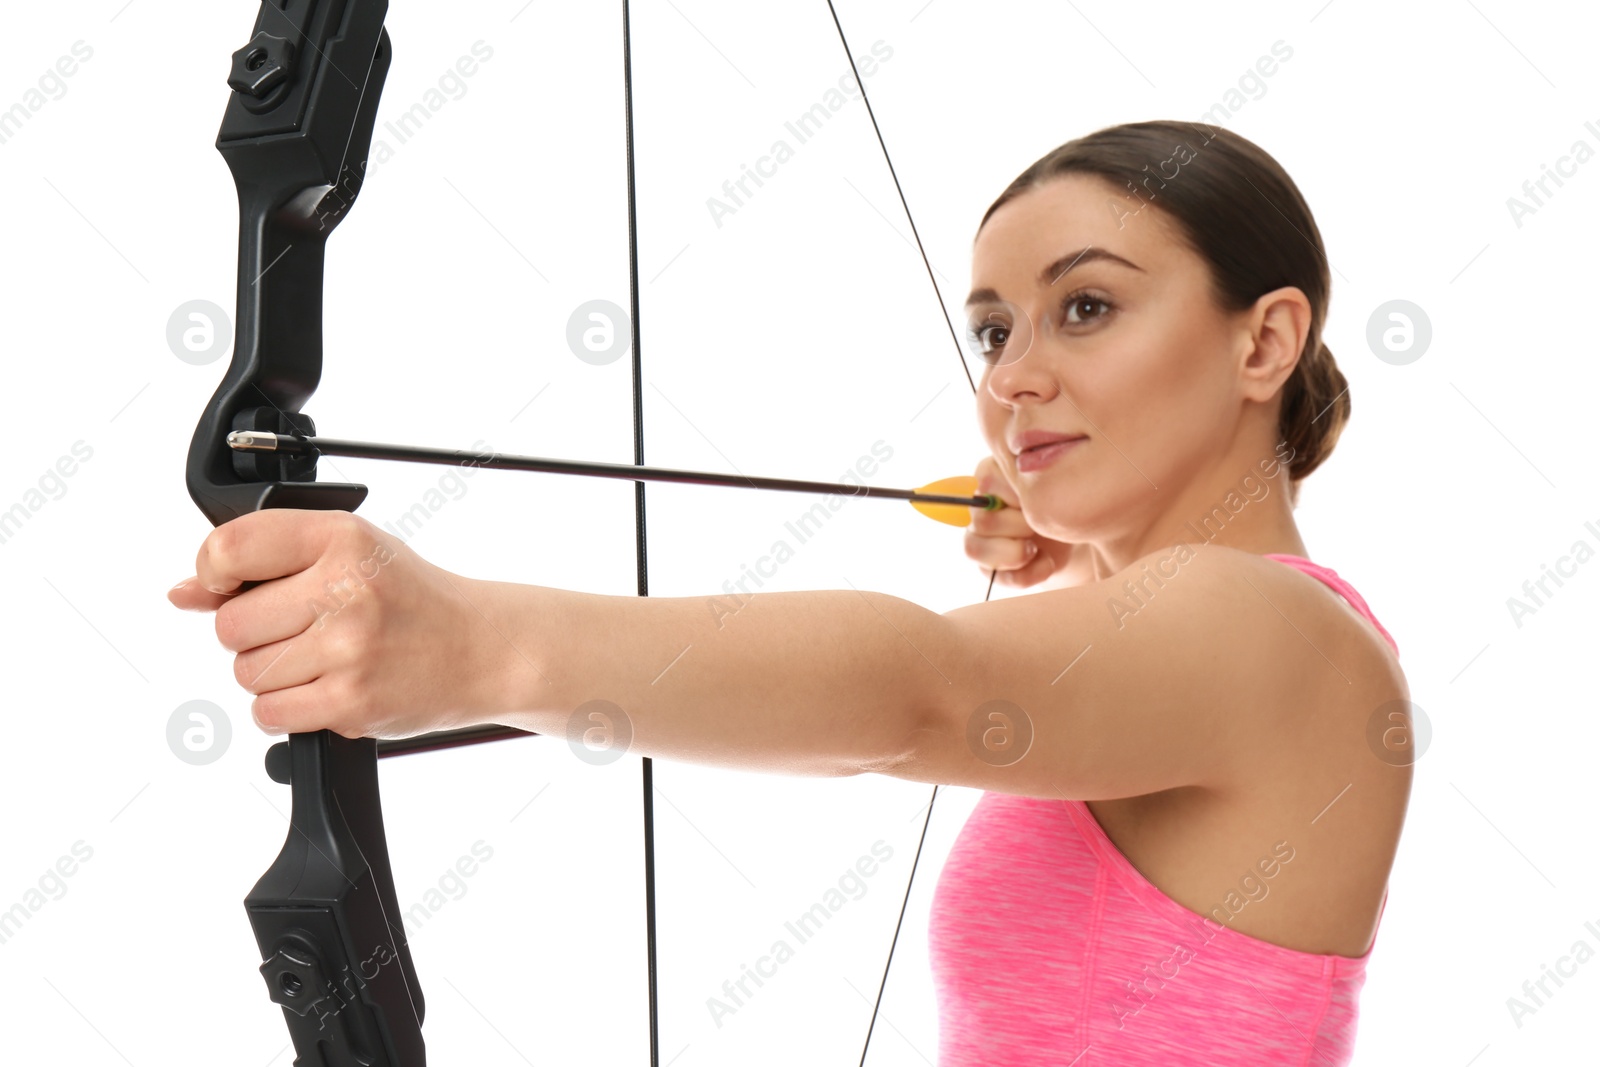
[1003, 522]
[317, 704]
[190, 595]
[1007, 521]
[272, 612]
[280, 665]
[1001, 553]
[1030, 574]
[992, 480]
[287, 711]
[264, 545]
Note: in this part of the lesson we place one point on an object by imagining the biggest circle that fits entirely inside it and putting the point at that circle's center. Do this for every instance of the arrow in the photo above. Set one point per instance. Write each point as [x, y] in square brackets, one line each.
[949, 500]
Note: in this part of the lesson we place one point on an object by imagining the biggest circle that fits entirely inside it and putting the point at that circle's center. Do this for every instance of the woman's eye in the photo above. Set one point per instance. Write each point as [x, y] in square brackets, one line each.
[1078, 303]
[998, 334]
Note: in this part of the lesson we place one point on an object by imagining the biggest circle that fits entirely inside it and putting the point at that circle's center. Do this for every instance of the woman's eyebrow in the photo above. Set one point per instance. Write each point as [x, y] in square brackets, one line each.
[1054, 272]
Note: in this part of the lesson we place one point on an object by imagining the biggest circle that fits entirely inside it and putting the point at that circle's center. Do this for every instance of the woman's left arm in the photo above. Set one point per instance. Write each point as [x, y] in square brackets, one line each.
[1187, 668]
[830, 682]
[352, 631]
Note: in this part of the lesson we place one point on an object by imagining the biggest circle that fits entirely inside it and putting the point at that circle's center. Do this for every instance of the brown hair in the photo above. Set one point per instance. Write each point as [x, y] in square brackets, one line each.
[1240, 212]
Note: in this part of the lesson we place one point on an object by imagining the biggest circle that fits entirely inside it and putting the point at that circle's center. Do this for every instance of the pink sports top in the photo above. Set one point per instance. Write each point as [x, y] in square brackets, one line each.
[1049, 947]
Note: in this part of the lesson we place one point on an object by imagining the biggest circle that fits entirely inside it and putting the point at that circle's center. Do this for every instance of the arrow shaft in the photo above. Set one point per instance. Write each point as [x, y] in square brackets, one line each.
[253, 441]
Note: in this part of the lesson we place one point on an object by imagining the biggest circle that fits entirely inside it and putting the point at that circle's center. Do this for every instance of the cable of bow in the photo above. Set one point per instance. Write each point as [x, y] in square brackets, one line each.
[640, 541]
[961, 357]
[639, 504]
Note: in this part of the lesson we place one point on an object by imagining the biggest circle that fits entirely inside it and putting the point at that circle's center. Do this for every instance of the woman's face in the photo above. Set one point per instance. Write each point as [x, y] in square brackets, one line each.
[1096, 319]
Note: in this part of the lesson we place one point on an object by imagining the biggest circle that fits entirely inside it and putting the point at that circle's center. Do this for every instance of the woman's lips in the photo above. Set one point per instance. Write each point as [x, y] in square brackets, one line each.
[1034, 459]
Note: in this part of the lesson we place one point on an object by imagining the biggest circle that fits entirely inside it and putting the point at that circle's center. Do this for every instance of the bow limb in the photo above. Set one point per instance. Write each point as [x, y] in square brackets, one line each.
[295, 136]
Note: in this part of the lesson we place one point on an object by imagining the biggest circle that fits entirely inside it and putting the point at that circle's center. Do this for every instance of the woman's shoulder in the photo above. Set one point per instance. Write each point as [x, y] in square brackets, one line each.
[1188, 666]
[1285, 638]
[1142, 581]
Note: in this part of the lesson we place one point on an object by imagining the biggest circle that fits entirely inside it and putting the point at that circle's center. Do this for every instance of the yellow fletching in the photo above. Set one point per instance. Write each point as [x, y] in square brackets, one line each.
[951, 514]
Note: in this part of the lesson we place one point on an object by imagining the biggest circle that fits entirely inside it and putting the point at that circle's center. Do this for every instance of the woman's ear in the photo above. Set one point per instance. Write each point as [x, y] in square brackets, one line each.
[1278, 323]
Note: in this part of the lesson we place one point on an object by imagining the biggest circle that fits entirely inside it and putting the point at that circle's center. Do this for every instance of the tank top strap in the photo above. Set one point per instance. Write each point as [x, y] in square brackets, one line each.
[1329, 577]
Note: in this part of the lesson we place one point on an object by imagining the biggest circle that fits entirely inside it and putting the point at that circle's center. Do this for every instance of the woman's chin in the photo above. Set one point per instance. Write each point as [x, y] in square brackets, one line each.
[1055, 527]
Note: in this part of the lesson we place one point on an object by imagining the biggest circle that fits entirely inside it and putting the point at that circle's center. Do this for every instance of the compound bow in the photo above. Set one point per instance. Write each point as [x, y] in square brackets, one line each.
[296, 134]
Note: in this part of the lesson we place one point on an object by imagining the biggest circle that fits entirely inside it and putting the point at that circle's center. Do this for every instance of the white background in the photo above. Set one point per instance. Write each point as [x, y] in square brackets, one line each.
[786, 341]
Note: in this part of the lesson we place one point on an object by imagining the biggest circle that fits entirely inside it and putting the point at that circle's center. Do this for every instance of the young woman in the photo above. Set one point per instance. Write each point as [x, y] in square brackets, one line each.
[1183, 848]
